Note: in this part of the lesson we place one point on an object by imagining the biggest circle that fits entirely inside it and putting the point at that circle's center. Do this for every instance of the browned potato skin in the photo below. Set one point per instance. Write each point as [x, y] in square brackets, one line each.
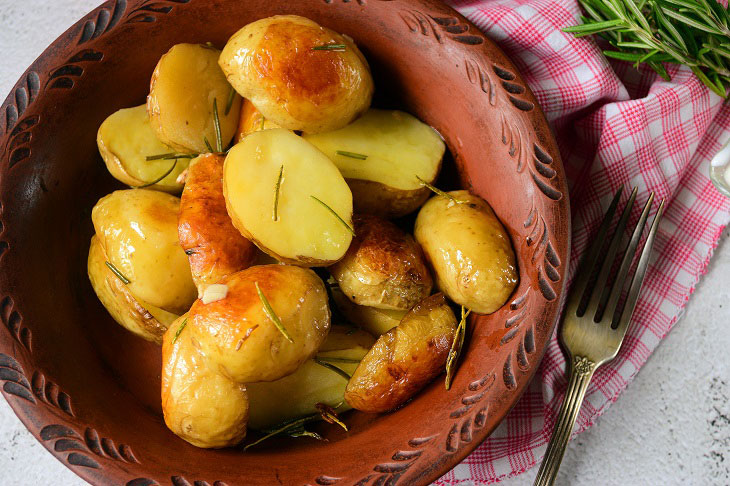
[214, 246]
[404, 359]
[251, 121]
[384, 267]
[374, 198]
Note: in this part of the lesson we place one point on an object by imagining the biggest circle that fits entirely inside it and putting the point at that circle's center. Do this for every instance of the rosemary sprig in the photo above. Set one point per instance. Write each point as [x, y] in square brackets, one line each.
[207, 144]
[263, 120]
[180, 330]
[277, 189]
[229, 101]
[152, 183]
[456, 345]
[334, 359]
[330, 367]
[217, 126]
[329, 415]
[330, 47]
[440, 192]
[695, 33]
[116, 272]
[169, 156]
[269, 311]
[292, 428]
[353, 155]
[349, 228]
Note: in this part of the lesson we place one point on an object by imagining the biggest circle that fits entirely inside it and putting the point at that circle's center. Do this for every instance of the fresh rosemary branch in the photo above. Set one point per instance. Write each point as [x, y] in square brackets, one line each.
[217, 126]
[277, 190]
[349, 228]
[116, 272]
[292, 428]
[330, 367]
[229, 101]
[439, 192]
[456, 345]
[330, 47]
[269, 311]
[695, 33]
[152, 183]
[352, 155]
[179, 330]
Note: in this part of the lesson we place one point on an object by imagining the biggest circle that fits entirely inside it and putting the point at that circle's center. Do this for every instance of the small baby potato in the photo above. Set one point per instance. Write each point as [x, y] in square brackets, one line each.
[469, 251]
[381, 156]
[125, 140]
[139, 317]
[214, 247]
[298, 394]
[184, 85]
[404, 359]
[384, 267]
[284, 66]
[200, 406]
[241, 340]
[251, 121]
[299, 226]
[373, 320]
[137, 228]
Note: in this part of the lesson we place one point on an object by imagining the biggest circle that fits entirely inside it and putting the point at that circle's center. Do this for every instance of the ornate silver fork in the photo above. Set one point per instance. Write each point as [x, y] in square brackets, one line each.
[593, 325]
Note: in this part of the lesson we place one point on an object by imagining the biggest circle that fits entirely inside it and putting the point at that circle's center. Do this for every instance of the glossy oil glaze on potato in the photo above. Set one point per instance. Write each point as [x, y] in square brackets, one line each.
[251, 121]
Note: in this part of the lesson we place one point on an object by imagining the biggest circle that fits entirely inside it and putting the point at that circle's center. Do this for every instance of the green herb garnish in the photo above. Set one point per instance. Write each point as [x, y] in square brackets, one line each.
[292, 428]
[152, 183]
[349, 228]
[169, 156]
[229, 101]
[334, 359]
[217, 126]
[330, 47]
[352, 155]
[207, 144]
[269, 311]
[277, 188]
[330, 367]
[440, 192]
[180, 330]
[329, 415]
[116, 272]
[456, 345]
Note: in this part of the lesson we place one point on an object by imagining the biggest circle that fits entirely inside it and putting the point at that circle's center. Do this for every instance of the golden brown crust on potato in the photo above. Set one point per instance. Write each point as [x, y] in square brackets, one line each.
[251, 121]
[214, 246]
[384, 267]
[371, 197]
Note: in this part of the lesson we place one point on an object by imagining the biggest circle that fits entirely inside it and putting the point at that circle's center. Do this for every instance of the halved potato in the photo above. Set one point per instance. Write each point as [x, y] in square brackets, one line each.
[240, 339]
[200, 406]
[125, 140]
[298, 394]
[313, 223]
[277, 63]
[469, 251]
[184, 85]
[384, 266]
[251, 121]
[381, 155]
[404, 359]
[147, 321]
[137, 228]
[214, 247]
[373, 320]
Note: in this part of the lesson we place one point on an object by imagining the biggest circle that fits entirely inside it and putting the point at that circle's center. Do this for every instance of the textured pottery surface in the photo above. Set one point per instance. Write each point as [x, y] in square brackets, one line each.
[89, 390]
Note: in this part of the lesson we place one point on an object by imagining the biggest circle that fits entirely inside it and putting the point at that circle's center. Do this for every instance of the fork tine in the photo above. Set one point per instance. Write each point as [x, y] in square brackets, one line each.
[618, 283]
[638, 279]
[609, 257]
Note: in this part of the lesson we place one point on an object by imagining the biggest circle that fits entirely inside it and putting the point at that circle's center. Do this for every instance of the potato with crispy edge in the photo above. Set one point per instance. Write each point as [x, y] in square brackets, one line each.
[298, 394]
[184, 85]
[251, 121]
[382, 155]
[137, 228]
[404, 359]
[469, 251]
[146, 321]
[214, 247]
[199, 405]
[125, 140]
[313, 219]
[240, 339]
[384, 266]
[373, 320]
[278, 64]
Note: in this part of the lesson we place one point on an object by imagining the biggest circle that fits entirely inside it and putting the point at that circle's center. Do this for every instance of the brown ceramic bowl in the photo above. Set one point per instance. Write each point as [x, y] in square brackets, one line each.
[89, 390]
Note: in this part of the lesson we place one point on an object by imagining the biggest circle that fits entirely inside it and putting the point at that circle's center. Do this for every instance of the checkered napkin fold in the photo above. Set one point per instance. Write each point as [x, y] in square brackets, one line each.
[614, 125]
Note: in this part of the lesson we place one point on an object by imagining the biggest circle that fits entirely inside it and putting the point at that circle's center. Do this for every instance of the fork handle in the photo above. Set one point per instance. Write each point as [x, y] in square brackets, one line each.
[581, 372]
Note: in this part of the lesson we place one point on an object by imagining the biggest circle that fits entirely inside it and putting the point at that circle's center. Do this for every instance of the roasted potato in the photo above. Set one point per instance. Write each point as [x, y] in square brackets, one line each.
[371, 319]
[469, 251]
[299, 226]
[278, 63]
[384, 266]
[185, 83]
[200, 405]
[298, 394]
[137, 228]
[214, 247]
[137, 316]
[125, 140]
[242, 341]
[404, 359]
[251, 121]
[381, 155]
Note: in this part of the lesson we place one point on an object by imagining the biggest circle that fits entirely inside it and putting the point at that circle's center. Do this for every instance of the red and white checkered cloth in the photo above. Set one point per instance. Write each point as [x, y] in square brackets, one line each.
[614, 125]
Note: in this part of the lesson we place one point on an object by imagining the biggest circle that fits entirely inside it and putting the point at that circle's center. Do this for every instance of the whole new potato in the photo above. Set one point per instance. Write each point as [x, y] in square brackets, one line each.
[469, 251]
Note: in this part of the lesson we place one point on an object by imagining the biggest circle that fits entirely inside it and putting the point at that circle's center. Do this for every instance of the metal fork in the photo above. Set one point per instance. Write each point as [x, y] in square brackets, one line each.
[593, 327]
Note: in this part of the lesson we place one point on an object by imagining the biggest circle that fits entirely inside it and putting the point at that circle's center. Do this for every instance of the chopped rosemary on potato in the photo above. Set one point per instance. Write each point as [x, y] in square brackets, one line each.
[440, 192]
[334, 359]
[330, 367]
[152, 183]
[217, 126]
[349, 228]
[207, 144]
[269, 311]
[169, 156]
[180, 330]
[263, 120]
[329, 415]
[330, 47]
[277, 188]
[292, 428]
[456, 346]
[116, 272]
[229, 101]
[352, 155]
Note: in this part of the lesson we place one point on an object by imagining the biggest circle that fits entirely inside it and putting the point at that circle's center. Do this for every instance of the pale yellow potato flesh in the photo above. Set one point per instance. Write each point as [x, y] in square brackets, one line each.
[373, 320]
[399, 149]
[184, 85]
[272, 63]
[137, 316]
[137, 228]
[306, 232]
[239, 338]
[125, 140]
[199, 405]
[298, 394]
[469, 250]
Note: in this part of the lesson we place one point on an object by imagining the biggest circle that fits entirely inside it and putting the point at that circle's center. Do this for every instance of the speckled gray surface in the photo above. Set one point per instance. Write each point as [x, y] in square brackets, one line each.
[670, 427]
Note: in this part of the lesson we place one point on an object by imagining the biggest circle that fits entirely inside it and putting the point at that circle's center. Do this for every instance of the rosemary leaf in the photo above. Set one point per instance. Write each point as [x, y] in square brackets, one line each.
[207, 144]
[349, 228]
[352, 155]
[116, 272]
[217, 126]
[169, 156]
[334, 359]
[152, 183]
[269, 311]
[329, 415]
[229, 101]
[456, 345]
[277, 189]
[180, 330]
[330, 47]
[440, 192]
[294, 428]
[330, 367]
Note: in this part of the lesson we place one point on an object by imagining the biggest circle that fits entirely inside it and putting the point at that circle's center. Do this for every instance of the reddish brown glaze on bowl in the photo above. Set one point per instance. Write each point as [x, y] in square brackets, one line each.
[89, 390]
